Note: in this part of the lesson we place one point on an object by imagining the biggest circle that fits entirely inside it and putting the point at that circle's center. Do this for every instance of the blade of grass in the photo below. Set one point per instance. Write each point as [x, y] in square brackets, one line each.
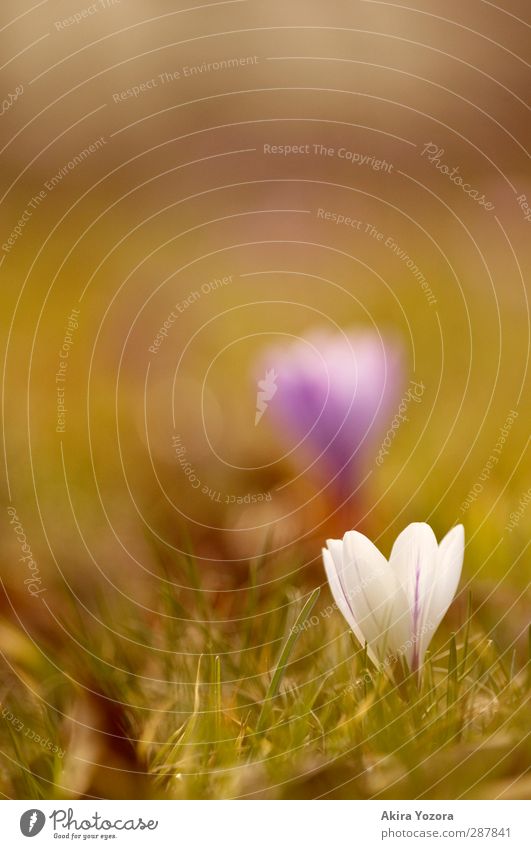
[467, 633]
[217, 696]
[451, 691]
[285, 653]
[169, 758]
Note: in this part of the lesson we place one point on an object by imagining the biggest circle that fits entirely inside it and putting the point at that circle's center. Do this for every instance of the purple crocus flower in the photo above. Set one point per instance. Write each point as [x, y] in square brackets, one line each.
[334, 394]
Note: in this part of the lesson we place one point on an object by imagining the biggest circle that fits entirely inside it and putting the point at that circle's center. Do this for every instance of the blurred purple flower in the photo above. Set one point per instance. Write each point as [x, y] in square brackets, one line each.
[334, 396]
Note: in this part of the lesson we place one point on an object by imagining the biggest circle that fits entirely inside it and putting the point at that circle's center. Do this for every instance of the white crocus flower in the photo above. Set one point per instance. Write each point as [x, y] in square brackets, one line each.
[395, 606]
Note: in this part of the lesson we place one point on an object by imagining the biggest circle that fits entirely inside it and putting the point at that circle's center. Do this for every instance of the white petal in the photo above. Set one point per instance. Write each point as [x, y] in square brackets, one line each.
[449, 564]
[414, 560]
[335, 547]
[330, 563]
[374, 595]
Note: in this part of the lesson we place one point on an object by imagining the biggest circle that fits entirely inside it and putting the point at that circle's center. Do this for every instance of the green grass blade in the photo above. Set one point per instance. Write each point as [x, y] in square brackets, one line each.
[285, 653]
[467, 633]
[217, 696]
[451, 692]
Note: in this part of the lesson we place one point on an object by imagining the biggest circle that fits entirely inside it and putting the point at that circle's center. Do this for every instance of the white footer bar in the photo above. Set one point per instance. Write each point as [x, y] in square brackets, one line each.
[266, 824]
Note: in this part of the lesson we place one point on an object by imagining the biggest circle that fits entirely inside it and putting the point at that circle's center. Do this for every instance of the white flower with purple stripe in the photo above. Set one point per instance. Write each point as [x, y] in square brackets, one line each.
[395, 606]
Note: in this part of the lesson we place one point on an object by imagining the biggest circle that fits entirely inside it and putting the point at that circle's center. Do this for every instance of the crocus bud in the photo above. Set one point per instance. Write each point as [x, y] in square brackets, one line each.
[334, 395]
[395, 606]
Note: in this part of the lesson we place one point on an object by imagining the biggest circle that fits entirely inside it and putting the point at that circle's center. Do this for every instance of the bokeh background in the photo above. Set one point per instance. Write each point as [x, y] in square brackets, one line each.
[180, 206]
